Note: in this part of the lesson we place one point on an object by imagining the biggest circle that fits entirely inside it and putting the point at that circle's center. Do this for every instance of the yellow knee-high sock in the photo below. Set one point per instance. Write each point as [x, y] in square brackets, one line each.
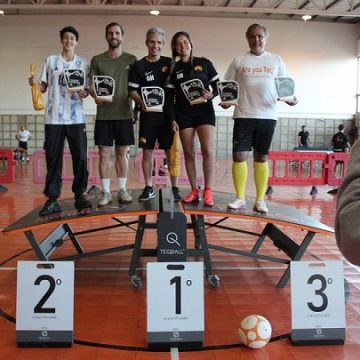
[261, 175]
[239, 173]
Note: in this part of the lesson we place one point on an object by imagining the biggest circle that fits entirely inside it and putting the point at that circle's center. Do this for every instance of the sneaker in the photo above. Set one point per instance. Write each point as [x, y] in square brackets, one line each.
[208, 197]
[193, 196]
[123, 196]
[51, 207]
[260, 206]
[105, 200]
[147, 194]
[237, 204]
[176, 193]
[82, 203]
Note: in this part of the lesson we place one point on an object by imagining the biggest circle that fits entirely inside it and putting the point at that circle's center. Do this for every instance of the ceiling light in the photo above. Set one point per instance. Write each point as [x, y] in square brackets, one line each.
[306, 17]
[154, 12]
[1, 12]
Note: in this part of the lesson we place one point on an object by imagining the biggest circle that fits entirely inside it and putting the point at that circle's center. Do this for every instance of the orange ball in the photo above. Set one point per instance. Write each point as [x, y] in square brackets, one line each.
[255, 331]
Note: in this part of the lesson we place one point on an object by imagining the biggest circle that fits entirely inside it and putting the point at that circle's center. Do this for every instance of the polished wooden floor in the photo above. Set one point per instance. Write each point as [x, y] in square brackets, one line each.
[110, 315]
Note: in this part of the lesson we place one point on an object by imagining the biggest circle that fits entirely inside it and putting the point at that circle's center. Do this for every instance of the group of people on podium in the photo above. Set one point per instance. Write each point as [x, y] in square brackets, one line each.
[255, 114]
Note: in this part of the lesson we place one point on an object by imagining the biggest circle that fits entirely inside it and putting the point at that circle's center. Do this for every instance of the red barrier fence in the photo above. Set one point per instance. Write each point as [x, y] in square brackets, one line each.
[39, 167]
[307, 168]
[160, 170]
[7, 169]
[286, 168]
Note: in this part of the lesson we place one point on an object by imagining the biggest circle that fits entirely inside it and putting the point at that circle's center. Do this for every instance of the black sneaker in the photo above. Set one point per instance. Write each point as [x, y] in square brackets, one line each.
[176, 193]
[50, 207]
[147, 194]
[81, 203]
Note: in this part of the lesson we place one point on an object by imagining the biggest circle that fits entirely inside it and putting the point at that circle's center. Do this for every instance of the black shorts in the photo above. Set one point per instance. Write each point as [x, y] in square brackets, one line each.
[151, 130]
[106, 131]
[23, 145]
[253, 133]
[202, 114]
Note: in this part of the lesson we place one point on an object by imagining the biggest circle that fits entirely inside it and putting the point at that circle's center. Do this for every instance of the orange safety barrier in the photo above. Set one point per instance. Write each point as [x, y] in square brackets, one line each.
[38, 163]
[297, 168]
[160, 170]
[7, 174]
[337, 165]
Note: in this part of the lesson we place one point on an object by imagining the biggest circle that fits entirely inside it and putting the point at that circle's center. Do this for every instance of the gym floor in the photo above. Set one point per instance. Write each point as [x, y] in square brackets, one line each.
[110, 315]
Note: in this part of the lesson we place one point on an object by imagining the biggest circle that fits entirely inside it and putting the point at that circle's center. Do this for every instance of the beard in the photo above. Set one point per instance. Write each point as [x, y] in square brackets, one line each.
[114, 43]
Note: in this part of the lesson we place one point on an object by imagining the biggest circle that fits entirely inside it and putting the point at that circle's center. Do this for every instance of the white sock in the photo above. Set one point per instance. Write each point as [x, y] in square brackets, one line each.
[106, 185]
[122, 183]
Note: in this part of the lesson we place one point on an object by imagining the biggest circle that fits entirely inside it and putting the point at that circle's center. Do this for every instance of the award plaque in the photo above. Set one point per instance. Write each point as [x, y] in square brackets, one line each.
[153, 97]
[228, 92]
[104, 87]
[192, 91]
[74, 79]
[285, 88]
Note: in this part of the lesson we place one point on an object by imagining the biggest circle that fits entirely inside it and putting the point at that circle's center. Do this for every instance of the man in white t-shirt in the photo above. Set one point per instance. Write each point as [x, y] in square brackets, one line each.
[64, 119]
[255, 115]
[23, 136]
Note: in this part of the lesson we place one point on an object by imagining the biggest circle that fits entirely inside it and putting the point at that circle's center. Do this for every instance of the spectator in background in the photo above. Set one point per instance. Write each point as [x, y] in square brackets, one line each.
[23, 136]
[340, 141]
[303, 138]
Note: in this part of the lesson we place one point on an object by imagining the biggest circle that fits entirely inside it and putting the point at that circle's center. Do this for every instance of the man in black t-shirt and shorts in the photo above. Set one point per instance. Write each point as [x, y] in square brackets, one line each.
[152, 70]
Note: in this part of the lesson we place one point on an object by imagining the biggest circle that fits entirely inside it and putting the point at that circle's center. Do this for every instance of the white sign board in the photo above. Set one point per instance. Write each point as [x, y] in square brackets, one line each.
[317, 302]
[175, 304]
[45, 303]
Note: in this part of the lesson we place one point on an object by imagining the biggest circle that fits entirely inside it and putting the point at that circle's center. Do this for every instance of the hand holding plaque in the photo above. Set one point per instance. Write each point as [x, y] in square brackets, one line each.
[285, 87]
[74, 79]
[104, 87]
[228, 92]
[193, 91]
[153, 98]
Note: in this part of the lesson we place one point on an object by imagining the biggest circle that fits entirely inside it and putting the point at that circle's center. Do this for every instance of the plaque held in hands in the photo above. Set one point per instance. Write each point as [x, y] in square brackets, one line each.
[228, 92]
[153, 97]
[192, 90]
[104, 87]
[74, 79]
[285, 87]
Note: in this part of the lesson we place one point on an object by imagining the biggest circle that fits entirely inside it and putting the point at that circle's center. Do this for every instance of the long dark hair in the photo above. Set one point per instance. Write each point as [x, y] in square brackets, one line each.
[173, 47]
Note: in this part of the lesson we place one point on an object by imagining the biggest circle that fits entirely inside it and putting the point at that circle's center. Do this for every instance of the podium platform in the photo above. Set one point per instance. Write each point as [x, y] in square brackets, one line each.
[197, 213]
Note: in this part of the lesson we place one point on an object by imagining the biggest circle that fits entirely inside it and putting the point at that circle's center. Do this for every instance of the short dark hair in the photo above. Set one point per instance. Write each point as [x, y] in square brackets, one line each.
[69, 29]
[114, 24]
[341, 127]
[254, 26]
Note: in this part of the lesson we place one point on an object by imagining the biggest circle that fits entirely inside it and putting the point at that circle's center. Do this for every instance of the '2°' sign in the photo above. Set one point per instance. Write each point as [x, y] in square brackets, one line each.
[45, 303]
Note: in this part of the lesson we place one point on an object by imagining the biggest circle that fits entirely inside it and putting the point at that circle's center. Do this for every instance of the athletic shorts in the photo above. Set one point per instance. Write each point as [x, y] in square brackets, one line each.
[253, 133]
[202, 114]
[151, 131]
[23, 145]
[106, 131]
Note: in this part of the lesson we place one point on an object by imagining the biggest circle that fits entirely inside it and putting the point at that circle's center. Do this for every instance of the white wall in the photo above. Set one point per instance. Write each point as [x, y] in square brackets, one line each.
[320, 56]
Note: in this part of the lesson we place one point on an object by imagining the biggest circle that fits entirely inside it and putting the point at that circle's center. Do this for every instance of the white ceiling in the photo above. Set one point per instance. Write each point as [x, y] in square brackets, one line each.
[343, 11]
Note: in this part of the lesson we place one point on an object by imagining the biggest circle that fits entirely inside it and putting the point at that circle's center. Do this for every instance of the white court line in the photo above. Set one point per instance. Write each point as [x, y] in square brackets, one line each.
[174, 354]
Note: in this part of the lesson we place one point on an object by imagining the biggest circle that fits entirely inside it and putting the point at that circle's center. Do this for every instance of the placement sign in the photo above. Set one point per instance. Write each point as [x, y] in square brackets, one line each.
[45, 303]
[317, 303]
[175, 304]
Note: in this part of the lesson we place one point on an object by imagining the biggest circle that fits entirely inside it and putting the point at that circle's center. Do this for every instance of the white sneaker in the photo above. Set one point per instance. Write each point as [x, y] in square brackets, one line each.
[260, 206]
[237, 204]
[123, 196]
[106, 199]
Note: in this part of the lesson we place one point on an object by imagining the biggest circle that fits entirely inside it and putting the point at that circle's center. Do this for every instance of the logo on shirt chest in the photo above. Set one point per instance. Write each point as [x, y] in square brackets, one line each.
[149, 76]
